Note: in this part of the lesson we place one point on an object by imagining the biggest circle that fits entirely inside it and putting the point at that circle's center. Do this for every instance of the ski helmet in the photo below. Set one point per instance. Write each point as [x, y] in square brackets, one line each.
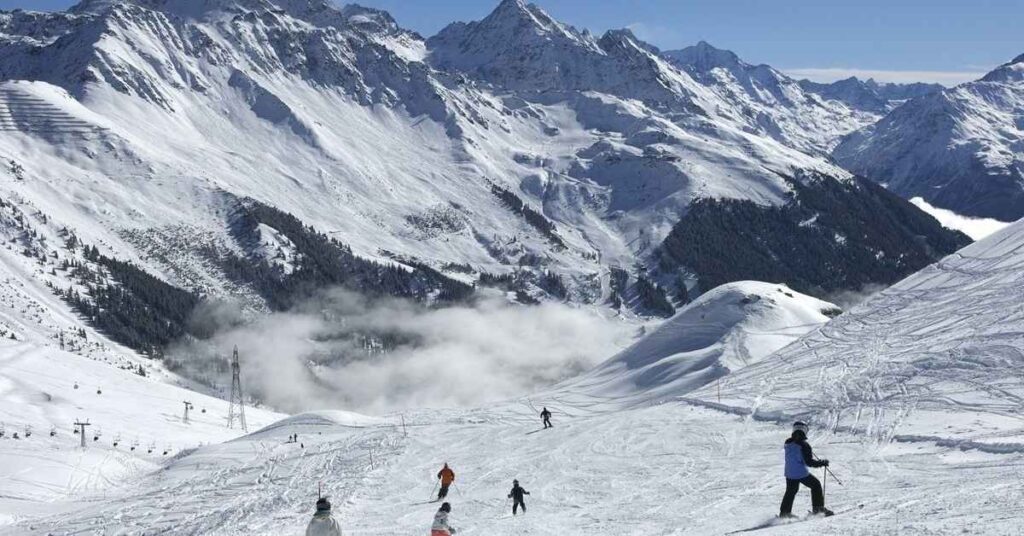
[800, 426]
[323, 505]
[446, 507]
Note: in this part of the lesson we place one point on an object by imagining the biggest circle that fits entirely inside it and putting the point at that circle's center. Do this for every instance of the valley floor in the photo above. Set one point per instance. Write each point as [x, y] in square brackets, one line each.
[667, 469]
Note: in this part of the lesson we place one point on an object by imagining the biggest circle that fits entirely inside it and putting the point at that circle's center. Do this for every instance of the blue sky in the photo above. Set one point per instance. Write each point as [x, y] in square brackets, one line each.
[900, 40]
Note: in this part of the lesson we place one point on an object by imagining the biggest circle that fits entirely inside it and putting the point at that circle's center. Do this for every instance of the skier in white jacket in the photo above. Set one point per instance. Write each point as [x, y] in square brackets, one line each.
[322, 523]
[440, 526]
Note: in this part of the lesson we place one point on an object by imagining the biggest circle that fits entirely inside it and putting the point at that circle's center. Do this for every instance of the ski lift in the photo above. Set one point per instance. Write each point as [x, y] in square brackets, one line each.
[75, 431]
[152, 446]
[166, 450]
[96, 436]
[134, 444]
[1, 430]
[99, 391]
[28, 431]
[15, 436]
[204, 410]
[53, 431]
[76, 385]
[117, 439]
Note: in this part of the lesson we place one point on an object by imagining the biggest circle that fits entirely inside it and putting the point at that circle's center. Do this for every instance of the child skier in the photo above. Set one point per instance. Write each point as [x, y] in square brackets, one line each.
[440, 526]
[798, 458]
[447, 476]
[546, 416]
[322, 523]
[517, 497]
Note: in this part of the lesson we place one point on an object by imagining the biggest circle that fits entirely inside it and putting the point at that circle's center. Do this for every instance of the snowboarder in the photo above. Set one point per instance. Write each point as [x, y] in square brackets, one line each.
[546, 416]
[798, 458]
[322, 523]
[440, 526]
[516, 495]
[447, 476]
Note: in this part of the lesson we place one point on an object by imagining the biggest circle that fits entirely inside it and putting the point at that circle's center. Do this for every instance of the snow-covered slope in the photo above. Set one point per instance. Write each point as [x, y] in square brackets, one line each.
[136, 424]
[769, 102]
[726, 329]
[671, 469]
[938, 355]
[959, 149]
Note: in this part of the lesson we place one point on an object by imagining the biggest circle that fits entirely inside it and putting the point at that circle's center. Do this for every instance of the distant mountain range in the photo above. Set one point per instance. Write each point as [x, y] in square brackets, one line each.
[259, 150]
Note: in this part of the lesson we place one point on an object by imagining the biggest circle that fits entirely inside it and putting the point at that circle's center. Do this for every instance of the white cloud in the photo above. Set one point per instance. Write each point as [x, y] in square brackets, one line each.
[463, 355]
[831, 74]
[976, 228]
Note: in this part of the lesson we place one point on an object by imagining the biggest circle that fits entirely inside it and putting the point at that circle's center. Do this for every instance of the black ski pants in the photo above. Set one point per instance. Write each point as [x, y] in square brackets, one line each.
[444, 491]
[547, 422]
[793, 486]
[518, 503]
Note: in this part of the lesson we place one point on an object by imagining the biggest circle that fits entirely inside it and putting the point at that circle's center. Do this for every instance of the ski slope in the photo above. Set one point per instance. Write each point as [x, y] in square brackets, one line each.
[668, 469]
[937, 356]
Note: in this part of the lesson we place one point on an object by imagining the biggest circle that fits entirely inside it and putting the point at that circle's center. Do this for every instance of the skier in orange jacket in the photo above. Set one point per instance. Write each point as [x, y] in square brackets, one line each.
[447, 476]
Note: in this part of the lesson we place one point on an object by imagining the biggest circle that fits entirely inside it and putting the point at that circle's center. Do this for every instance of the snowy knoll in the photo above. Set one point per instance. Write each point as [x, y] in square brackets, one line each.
[938, 355]
[726, 329]
[960, 149]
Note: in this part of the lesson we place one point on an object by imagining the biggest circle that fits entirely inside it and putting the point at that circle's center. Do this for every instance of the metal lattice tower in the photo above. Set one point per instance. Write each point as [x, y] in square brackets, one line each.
[236, 394]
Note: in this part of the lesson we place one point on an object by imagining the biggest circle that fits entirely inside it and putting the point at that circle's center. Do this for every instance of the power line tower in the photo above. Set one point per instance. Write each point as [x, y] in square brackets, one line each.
[236, 394]
[188, 406]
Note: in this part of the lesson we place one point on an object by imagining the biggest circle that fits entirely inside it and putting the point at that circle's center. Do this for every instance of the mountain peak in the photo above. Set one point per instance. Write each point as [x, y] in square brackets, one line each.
[703, 57]
[1012, 71]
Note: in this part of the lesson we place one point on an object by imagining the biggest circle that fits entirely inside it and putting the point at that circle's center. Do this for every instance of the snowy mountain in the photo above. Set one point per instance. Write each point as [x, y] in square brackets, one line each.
[869, 95]
[769, 102]
[162, 157]
[725, 330]
[959, 149]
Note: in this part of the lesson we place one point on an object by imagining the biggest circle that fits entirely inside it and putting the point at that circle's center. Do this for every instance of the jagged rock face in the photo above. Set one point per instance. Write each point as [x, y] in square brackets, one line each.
[520, 47]
[961, 149]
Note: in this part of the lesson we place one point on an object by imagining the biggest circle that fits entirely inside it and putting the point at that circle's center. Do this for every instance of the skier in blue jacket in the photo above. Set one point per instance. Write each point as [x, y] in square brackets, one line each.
[798, 458]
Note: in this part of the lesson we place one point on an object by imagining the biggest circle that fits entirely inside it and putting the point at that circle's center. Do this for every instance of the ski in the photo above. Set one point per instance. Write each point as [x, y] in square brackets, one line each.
[778, 522]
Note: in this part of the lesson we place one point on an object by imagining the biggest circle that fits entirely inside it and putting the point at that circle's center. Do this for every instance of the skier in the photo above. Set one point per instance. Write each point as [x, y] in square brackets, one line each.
[440, 526]
[798, 458]
[447, 476]
[546, 415]
[322, 523]
[517, 497]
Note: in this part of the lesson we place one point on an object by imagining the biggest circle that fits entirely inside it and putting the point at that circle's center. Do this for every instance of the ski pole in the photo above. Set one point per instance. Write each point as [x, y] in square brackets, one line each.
[434, 489]
[833, 476]
[458, 489]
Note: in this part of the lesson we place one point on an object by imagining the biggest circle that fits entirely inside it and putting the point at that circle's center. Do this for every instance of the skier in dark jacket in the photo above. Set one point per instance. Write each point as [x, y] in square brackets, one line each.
[798, 458]
[546, 416]
[516, 495]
